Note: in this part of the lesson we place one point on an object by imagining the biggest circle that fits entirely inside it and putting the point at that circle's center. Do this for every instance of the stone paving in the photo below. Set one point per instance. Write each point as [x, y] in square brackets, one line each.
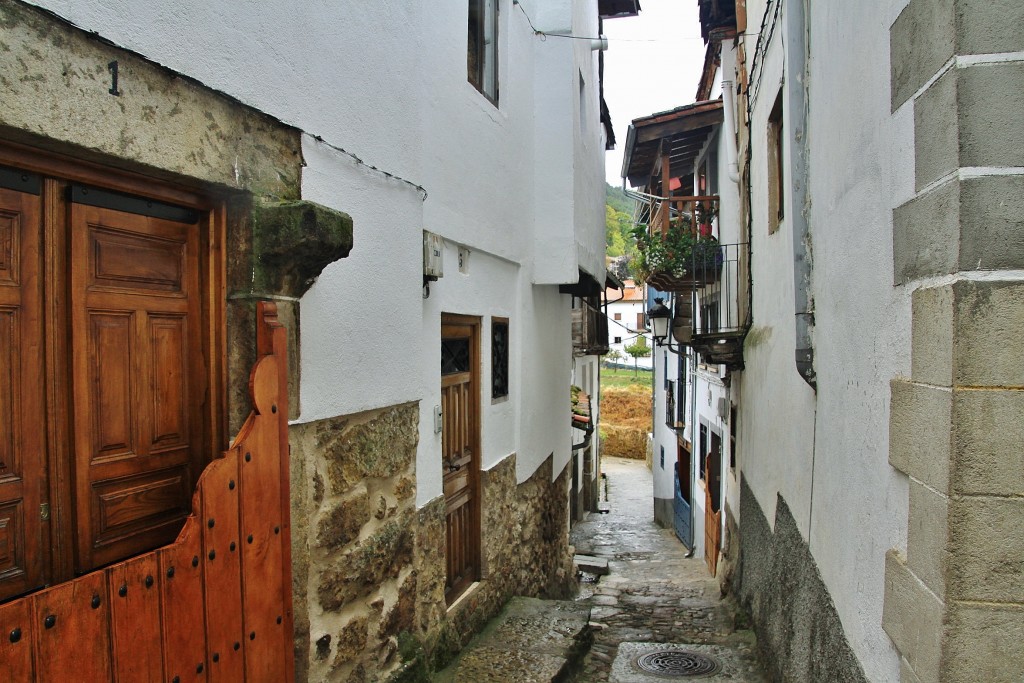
[653, 594]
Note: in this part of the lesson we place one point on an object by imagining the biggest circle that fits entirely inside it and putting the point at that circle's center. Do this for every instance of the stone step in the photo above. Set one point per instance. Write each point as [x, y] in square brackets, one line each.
[531, 641]
[588, 563]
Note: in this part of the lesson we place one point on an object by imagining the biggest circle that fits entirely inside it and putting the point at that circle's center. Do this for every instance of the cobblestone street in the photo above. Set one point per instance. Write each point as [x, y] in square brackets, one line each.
[653, 595]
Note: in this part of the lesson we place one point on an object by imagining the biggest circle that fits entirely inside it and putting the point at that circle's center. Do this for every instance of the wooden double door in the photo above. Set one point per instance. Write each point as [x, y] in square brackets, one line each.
[460, 449]
[101, 376]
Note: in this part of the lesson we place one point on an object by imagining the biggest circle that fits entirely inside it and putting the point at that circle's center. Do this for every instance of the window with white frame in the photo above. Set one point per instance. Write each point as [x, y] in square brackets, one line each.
[482, 47]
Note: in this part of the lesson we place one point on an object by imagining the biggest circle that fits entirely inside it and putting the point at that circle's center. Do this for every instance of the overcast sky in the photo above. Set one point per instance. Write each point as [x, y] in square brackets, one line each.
[652, 64]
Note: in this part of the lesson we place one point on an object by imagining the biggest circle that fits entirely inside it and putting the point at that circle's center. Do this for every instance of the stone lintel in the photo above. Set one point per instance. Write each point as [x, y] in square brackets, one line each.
[913, 617]
[56, 86]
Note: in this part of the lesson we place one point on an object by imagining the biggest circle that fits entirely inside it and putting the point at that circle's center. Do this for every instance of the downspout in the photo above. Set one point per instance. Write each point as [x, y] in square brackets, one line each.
[729, 104]
[796, 108]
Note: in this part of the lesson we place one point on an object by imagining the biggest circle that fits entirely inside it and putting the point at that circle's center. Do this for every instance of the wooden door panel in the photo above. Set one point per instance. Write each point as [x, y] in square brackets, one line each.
[72, 630]
[131, 260]
[152, 503]
[137, 413]
[184, 625]
[16, 641]
[460, 443]
[169, 378]
[111, 387]
[22, 444]
[134, 592]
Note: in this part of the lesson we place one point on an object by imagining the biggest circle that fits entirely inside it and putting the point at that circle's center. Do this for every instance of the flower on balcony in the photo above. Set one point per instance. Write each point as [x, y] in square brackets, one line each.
[680, 253]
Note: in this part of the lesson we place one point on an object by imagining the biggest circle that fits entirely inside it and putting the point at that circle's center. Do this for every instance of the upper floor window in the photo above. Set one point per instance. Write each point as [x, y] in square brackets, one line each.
[482, 47]
[776, 172]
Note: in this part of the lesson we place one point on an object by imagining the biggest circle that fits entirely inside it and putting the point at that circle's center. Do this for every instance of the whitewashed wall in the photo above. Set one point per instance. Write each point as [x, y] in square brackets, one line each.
[520, 185]
[827, 454]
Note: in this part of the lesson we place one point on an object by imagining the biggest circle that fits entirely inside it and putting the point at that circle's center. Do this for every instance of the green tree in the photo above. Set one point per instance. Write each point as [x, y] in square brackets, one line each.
[638, 349]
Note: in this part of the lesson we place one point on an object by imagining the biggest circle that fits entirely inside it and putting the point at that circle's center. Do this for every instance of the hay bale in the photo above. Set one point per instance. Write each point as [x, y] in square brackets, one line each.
[630, 407]
[623, 441]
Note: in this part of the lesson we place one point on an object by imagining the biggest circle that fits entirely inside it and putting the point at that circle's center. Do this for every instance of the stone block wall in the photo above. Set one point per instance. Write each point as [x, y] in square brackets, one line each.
[954, 606]
[369, 567]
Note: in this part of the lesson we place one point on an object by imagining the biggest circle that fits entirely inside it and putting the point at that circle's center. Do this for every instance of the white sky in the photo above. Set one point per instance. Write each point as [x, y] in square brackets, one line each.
[653, 63]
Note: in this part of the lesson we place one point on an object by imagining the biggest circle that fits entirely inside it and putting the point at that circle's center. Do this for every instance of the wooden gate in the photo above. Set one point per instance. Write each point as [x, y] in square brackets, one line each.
[713, 503]
[215, 605]
[460, 400]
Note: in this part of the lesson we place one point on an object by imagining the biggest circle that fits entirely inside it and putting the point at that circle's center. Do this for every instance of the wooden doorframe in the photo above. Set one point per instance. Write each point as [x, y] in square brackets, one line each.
[58, 171]
[473, 325]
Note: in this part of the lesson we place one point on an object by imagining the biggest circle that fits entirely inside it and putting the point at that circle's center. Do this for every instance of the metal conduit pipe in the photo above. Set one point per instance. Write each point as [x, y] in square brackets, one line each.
[796, 109]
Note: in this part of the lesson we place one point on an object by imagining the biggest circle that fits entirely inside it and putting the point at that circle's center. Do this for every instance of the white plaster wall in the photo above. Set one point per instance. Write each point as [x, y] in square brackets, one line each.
[626, 329]
[827, 455]
[387, 82]
[862, 338]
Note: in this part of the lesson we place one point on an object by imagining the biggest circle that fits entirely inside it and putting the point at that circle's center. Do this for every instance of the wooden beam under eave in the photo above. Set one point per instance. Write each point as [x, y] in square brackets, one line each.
[657, 131]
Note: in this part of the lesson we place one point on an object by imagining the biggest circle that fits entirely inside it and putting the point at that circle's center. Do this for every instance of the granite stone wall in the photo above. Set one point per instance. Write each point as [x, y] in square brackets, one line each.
[369, 567]
[777, 582]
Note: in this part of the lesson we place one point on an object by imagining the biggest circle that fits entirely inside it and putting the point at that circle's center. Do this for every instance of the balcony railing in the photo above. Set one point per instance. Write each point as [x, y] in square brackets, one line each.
[677, 239]
[722, 305]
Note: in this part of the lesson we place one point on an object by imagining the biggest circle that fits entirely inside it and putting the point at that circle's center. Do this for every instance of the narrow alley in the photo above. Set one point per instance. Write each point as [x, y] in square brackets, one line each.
[655, 615]
[654, 599]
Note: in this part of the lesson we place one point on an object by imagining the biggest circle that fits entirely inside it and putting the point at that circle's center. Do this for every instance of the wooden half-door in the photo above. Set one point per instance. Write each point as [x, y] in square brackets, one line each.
[460, 408]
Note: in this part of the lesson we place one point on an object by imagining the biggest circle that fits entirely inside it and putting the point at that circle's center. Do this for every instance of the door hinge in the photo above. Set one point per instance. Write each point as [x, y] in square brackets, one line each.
[44, 512]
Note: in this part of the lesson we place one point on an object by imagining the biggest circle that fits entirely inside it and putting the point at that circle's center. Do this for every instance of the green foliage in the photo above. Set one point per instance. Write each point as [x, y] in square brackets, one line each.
[639, 348]
[618, 225]
[674, 253]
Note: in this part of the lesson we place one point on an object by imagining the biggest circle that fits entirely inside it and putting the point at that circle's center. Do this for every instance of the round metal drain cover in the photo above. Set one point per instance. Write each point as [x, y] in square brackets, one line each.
[677, 664]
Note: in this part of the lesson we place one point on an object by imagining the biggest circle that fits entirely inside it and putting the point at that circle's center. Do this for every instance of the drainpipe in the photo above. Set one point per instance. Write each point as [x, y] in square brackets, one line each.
[796, 108]
[729, 104]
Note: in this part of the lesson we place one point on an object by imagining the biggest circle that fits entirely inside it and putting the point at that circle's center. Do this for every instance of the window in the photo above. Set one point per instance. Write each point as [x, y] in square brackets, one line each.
[618, 340]
[618, 316]
[702, 453]
[662, 457]
[499, 357]
[640, 321]
[482, 48]
[776, 176]
[732, 438]
[670, 404]
[709, 317]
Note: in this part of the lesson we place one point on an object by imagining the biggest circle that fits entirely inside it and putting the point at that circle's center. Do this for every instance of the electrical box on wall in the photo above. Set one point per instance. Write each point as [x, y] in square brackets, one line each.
[433, 256]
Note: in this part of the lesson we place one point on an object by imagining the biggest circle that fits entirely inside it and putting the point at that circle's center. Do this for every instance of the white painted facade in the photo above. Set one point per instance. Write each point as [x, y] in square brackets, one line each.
[519, 185]
[626, 313]
[825, 452]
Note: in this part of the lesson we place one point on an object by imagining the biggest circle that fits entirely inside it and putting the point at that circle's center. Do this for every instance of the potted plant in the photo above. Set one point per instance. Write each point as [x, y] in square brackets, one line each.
[682, 258]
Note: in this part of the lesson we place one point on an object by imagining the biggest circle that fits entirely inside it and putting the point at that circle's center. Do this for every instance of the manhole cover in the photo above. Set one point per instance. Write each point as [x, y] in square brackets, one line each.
[677, 664]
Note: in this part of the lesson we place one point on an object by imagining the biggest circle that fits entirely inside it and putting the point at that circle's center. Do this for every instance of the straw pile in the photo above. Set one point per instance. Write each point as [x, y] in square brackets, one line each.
[625, 421]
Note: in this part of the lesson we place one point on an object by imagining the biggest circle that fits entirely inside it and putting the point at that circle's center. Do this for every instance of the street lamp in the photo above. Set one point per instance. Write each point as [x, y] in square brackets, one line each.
[660, 317]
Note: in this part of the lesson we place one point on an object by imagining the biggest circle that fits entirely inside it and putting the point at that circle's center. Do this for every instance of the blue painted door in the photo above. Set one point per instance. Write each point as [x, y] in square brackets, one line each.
[682, 518]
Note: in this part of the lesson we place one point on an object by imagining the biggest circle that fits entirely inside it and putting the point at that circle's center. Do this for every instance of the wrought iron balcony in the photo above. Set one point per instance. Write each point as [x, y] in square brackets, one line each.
[722, 305]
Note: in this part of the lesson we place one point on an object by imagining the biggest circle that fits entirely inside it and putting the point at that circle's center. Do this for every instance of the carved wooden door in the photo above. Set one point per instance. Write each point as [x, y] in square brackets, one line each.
[460, 398]
[137, 375]
[713, 503]
[22, 438]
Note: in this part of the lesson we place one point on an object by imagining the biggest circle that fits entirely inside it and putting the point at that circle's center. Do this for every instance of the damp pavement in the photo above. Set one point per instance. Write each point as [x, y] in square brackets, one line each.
[655, 615]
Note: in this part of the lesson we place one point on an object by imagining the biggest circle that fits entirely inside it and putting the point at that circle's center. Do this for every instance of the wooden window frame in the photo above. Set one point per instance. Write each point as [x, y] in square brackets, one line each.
[495, 322]
[58, 171]
[476, 43]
